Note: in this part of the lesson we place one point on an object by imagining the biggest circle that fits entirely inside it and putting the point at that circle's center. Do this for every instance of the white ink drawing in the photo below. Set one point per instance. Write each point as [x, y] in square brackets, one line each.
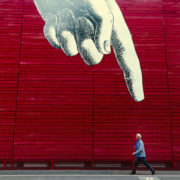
[91, 27]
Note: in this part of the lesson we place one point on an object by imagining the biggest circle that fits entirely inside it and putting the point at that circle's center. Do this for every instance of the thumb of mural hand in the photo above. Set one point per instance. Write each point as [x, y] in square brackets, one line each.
[90, 27]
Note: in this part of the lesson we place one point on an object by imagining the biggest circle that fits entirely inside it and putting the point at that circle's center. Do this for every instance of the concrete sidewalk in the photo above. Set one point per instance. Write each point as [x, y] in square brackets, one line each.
[86, 175]
[83, 172]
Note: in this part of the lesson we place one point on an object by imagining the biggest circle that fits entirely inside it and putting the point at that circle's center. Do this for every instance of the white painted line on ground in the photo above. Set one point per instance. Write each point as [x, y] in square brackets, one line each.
[148, 178]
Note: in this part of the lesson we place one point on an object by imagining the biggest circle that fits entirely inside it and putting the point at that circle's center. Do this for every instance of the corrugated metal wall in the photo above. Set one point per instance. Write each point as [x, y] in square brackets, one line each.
[55, 108]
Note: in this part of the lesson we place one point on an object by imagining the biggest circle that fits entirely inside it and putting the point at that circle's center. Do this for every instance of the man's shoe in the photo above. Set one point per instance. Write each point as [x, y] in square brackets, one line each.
[154, 172]
[132, 173]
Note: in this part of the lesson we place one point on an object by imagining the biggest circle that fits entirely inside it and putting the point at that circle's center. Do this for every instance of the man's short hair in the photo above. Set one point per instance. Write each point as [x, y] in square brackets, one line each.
[139, 135]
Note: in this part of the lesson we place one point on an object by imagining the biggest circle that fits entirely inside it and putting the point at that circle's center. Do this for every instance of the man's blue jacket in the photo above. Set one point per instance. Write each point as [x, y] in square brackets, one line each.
[140, 152]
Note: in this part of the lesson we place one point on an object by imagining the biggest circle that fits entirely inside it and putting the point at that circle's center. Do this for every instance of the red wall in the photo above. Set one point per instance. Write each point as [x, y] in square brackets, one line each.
[53, 107]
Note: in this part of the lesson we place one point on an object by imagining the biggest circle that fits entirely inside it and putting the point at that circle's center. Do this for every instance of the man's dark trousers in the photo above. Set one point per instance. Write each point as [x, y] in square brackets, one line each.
[143, 159]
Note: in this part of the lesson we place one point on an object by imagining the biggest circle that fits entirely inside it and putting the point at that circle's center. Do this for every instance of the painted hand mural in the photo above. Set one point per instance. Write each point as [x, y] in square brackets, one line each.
[91, 27]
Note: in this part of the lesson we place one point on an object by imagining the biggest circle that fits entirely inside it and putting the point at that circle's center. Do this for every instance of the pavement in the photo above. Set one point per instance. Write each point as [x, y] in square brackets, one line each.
[86, 175]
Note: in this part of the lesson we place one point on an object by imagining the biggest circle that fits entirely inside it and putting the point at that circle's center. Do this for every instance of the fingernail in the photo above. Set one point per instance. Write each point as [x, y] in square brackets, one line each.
[107, 46]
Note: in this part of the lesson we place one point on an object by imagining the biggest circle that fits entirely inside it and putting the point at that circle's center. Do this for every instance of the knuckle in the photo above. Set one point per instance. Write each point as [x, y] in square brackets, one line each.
[109, 17]
[51, 19]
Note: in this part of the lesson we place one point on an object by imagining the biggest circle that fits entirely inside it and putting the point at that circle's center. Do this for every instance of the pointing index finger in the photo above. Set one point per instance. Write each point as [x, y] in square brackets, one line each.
[129, 63]
[126, 54]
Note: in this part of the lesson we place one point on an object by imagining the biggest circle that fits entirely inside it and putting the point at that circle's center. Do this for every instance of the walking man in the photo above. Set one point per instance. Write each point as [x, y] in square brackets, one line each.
[140, 155]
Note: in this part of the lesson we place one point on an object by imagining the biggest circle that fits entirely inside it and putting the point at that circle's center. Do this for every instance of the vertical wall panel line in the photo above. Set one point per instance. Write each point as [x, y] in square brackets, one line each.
[93, 130]
[17, 93]
[167, 76]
